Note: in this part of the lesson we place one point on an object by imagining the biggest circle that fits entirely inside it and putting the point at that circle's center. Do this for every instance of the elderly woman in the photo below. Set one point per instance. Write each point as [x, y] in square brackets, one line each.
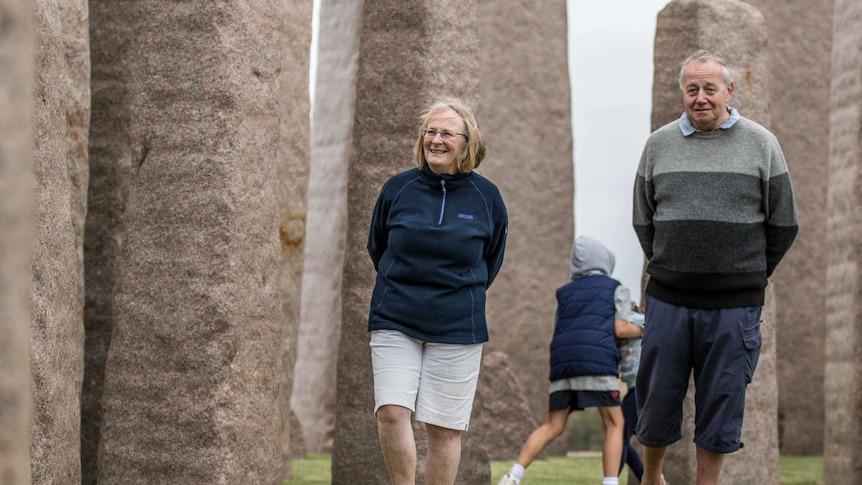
[437, 239]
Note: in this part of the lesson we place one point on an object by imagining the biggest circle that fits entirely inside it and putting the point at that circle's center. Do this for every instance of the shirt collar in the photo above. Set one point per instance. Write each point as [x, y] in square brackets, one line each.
[687, 128]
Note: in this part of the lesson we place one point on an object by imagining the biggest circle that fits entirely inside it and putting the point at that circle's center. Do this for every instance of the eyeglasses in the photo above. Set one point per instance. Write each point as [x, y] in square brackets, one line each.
[445, 135]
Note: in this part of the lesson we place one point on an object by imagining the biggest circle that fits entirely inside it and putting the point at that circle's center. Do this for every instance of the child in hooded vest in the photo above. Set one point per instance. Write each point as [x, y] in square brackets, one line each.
[592, 312]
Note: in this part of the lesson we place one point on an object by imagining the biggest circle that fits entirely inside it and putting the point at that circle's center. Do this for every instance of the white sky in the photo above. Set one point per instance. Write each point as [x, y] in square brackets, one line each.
[611, 71]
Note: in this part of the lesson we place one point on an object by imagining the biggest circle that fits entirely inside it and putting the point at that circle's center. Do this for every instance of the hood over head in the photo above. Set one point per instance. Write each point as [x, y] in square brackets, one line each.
[589, 256]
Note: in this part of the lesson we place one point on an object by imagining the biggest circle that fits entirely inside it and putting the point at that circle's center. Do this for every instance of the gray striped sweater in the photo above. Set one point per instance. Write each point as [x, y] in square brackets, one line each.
[714, 214]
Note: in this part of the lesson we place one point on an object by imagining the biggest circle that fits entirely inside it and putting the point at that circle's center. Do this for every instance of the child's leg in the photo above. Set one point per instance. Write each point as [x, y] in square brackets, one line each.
[612, 450]
[630, 454]
[554, 426]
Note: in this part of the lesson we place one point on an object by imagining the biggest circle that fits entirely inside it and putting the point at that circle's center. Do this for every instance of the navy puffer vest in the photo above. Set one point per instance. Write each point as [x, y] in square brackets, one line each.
[583, 343]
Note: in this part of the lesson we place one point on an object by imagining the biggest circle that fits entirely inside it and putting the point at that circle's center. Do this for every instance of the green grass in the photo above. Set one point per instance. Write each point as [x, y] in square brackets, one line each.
[559, 470]
[801, 470]
[314, 470]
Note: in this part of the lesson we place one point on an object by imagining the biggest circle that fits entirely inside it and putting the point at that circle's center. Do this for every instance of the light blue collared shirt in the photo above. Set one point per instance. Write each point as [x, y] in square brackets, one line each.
[687, 128]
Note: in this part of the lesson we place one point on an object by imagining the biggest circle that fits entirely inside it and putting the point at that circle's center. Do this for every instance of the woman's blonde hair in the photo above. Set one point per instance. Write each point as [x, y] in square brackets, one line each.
[474, 150]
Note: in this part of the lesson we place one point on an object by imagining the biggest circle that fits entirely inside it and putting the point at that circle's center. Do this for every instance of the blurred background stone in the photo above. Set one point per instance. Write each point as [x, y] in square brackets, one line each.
[843, 370]
[17, 220]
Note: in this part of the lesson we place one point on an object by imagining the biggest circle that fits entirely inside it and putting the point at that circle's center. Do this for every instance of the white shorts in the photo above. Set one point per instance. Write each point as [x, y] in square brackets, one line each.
[435, 381]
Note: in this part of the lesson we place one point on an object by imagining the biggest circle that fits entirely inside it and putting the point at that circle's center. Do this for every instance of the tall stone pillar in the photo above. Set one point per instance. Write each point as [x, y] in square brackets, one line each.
[292, 166]
[409, 54]
[843, 373]
[75, 38]
[735, 30]
[17, 217]
[313, 397]
[802, 128]
[526, 113]
[193, 369]
[57, 333]
[110, 164]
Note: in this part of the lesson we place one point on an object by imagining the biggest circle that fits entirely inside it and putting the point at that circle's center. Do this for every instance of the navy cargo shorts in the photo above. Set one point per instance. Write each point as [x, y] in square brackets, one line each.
[721, 346]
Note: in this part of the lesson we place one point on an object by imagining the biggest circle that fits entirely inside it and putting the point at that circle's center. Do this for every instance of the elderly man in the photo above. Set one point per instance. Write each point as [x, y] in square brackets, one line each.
[714, 214]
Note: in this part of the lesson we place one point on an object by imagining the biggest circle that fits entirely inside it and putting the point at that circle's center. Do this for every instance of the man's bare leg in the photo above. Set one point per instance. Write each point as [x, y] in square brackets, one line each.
[444, 455]
[397, 443]
[708, 466]
[653, 463]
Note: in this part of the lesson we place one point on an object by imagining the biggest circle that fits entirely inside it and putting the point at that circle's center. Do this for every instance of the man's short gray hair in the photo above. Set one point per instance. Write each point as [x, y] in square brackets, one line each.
[704, 55]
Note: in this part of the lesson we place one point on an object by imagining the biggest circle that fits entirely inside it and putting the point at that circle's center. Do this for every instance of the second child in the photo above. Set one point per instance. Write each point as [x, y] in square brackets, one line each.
[591, 314]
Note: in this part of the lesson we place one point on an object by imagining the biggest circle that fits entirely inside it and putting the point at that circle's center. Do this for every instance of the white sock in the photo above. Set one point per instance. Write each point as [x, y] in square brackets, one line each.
[517, 472]
[610, 481]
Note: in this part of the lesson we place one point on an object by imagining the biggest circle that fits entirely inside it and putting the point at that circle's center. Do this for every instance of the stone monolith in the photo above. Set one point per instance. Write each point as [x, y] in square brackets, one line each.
[410, 53]
[193, 369]
[57, 333]
[507, 423]
[110, 165]
[798, 56]
[843, 372]
[526, 113]
[736, 31]
[313, 397]
[293, 166]
[75, 38]
[17, 218]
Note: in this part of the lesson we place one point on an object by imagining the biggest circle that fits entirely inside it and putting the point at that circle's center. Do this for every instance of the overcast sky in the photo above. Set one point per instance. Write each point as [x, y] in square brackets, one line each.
[611, 70]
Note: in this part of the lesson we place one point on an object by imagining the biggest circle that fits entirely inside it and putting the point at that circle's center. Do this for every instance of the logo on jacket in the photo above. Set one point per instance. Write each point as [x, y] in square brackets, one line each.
[469, 217]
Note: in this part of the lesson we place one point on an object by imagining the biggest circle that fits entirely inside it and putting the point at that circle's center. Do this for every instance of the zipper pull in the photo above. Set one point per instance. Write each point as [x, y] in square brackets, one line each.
[443, 204]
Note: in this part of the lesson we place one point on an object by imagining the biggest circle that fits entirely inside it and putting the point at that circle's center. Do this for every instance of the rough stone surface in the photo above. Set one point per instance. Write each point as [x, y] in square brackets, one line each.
[736, 30]
[110, 161]
[57, 333]
[17, 217]
[803, 48]
[75, 38]
[409, 54]
[525, 111]
[843, 373]
[293, 165]
[192, 374]
[509, 421]
[313, 397]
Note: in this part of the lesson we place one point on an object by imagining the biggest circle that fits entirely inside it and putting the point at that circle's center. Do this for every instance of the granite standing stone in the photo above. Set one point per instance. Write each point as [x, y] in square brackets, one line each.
[843, 373]
[526, 113]
[735, 30]
[507, 419]
[799, 68]
[75, 37]
[313, 397]
[110, 162]
[57, 333]
[193, 370]
[17, 219]
[293, 162]
[410, 53]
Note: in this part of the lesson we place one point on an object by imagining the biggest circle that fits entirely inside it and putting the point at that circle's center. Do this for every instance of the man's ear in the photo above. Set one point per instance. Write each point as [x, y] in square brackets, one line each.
[730, 91]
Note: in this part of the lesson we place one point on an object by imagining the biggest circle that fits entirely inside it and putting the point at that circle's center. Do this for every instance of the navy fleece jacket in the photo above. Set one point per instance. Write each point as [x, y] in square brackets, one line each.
[437, 243]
